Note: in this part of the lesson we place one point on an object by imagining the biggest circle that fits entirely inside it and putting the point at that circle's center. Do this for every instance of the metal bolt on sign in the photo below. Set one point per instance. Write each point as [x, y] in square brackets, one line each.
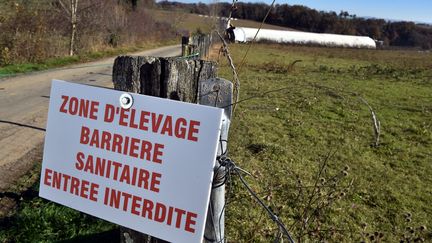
[126, 101]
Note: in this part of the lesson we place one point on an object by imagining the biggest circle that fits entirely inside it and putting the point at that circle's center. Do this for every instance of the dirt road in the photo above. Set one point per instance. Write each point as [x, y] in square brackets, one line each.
[24, 105]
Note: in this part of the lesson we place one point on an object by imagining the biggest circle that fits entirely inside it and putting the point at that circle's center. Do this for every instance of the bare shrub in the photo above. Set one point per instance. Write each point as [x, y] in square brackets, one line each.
[25, 36]
[31, 31]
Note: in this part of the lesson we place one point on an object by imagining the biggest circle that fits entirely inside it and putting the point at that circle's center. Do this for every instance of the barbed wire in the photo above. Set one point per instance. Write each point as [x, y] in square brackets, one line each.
[232, 168]
[236, 92]
[224, 162]
[226, 165]
[243, 61]
[225, 49]
[228, 168]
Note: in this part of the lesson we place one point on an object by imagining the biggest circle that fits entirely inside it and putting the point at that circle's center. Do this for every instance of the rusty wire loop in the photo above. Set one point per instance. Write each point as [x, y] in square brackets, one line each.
[232, 168]
[233, 69]
[228, 166]
[225, 49]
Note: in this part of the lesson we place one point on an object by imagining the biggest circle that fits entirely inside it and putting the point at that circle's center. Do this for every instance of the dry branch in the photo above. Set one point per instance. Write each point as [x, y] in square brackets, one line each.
[376, 122]
[236, 93]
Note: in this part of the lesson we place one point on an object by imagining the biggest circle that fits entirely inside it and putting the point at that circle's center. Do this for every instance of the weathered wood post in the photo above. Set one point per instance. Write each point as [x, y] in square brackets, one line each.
[203, 45]
[198, 45]
[185, 46]
[179, 79]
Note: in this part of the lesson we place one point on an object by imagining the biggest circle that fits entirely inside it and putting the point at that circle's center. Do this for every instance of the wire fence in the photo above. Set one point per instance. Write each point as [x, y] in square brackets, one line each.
[230, 171]
[229, 167]
[315, 202]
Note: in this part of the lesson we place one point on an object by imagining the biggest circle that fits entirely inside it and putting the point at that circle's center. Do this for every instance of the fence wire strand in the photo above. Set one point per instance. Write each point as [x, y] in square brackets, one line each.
[243, 61]
[233, 69]
[232, 168]
[229, 168]
[224, 161]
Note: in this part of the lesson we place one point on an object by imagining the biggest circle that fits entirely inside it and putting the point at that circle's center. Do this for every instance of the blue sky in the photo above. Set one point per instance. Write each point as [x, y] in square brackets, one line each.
[413, 10]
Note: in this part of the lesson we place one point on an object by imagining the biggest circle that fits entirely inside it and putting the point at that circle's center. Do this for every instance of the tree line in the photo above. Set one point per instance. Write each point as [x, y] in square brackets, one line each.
[34, 30]
[390, 33]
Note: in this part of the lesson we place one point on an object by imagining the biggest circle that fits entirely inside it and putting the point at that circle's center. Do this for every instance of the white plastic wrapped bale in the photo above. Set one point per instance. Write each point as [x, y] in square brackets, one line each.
[296, 37]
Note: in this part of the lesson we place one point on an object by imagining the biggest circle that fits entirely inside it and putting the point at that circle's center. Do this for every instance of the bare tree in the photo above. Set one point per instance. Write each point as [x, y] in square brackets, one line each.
[71, 8]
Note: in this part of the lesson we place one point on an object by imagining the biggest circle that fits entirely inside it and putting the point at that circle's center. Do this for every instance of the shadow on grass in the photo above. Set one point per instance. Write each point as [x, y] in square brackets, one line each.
[111, 236]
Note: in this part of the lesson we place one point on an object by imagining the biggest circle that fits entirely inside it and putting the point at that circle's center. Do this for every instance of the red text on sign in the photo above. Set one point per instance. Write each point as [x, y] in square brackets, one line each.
[71, 184]
[155, 211]
[126, 145]
[79, 107]
[119, 172]
[156, 123]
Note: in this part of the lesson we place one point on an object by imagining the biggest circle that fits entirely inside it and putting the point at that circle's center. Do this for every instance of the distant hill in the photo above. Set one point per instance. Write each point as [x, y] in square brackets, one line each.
[256, 24]
[391, 33]
[398, 20]
[191, 22]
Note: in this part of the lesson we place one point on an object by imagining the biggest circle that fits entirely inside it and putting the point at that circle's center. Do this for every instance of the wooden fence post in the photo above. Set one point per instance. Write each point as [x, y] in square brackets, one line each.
[185, 46]
[198, 45]
[173, 78]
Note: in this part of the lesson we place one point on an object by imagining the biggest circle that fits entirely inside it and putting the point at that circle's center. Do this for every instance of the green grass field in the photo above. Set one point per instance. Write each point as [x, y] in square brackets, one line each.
[306, 137]
[309, 144]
